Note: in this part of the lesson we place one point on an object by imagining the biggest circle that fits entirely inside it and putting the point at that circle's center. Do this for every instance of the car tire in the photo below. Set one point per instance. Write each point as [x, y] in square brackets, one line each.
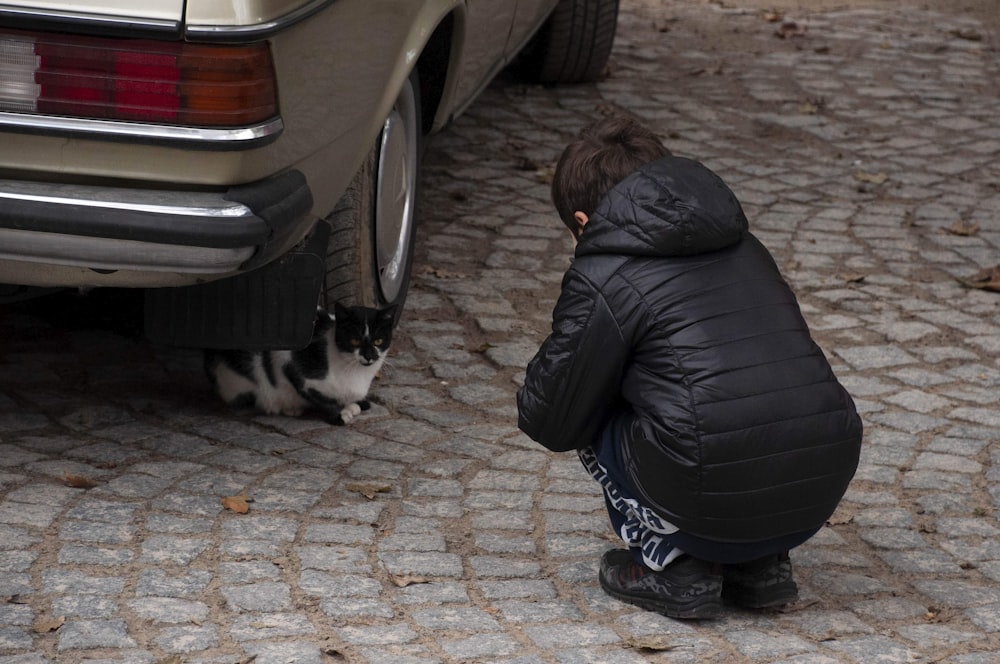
[573, 45]
[370, 252]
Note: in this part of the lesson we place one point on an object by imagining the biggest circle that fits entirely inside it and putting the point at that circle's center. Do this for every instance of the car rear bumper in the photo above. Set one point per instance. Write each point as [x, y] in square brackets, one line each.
[108, 229]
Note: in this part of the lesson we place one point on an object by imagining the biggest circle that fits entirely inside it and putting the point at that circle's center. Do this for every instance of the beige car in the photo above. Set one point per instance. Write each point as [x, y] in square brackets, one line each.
[244, 160]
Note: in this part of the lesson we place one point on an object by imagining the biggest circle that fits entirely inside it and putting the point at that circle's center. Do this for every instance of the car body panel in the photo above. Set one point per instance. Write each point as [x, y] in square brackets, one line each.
[333, 96]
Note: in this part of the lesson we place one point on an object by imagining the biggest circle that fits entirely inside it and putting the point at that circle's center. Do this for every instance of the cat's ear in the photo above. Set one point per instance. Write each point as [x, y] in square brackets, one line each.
[339, 311]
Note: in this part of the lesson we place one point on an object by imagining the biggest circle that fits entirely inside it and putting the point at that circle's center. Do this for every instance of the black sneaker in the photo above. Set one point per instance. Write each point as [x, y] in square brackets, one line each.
[687, 588]
[760, 584]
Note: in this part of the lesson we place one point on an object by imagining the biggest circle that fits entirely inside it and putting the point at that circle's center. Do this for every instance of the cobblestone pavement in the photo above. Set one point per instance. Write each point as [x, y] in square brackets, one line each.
[864, 146]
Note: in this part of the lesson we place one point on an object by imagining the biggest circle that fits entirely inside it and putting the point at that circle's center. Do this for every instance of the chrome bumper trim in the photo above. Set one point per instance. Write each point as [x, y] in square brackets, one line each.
[204, 137]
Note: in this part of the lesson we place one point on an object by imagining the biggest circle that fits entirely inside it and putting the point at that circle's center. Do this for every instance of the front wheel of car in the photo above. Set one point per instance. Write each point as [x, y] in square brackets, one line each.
[574, 44]
[370, 251]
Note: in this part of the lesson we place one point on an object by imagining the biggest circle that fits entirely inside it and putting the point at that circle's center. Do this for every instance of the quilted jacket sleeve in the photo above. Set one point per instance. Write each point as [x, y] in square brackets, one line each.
[573, 382]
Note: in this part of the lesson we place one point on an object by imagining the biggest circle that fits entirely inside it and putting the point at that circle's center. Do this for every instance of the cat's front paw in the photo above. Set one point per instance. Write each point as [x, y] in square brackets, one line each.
[349, 412]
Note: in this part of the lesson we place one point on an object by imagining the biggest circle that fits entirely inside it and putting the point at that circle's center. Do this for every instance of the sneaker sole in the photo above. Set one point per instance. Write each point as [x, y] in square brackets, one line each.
[699, 608]
[762, 598]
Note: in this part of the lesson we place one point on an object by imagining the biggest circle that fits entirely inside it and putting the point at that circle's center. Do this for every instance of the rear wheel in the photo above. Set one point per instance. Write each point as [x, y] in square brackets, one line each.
[372, 228]
[574, 44]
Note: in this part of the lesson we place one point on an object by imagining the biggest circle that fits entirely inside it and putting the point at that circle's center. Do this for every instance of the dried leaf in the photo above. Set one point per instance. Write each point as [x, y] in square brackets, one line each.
[988, 279]
[968, 34]
[656, 642]
[789, 29]
[406, 580]
[368, 489]
[172, 659]
[851, 277]
[46, 624]
[773, 16]
[546, 174]
[78, 481]
[840, 517]
[808, 108]
[935, 614]
[442, 273]
[963, 228]
[874, 178]
[238, 504]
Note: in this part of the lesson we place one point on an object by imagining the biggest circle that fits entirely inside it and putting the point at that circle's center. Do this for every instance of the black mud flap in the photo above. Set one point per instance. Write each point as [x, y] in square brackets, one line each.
[273, 307]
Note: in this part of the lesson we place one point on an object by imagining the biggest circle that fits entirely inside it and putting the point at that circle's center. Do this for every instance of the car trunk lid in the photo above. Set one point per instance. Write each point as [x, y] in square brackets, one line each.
[160, 10]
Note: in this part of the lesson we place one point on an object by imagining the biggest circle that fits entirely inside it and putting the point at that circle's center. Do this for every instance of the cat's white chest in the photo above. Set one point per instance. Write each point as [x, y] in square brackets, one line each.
[348, 380]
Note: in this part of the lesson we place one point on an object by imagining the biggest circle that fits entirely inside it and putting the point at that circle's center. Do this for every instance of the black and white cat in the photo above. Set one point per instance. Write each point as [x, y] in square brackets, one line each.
[332, 374]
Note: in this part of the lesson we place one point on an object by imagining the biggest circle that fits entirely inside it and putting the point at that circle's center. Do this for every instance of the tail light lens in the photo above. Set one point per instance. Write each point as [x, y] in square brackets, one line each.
[137, 80]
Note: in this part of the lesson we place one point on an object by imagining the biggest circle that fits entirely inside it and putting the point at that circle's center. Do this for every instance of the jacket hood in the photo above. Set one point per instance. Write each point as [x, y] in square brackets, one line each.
[670, 207]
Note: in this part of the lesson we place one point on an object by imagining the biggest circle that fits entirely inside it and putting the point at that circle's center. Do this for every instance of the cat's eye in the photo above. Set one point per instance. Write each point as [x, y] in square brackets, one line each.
[378, 342]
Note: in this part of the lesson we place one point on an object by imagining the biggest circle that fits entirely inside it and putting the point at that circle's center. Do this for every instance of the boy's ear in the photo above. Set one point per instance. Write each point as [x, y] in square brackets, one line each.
[581, 220]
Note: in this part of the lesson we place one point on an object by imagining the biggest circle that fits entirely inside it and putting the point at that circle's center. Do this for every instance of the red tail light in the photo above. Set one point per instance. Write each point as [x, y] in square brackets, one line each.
[137, 80]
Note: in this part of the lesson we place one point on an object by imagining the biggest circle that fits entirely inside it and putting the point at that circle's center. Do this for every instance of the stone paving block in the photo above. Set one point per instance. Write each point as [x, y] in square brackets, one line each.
[14, 638]
[278, 529]
[283, 500]
[455, 619]
[924, 562]
[166, 549]
[431, 564]
[321, 584]
[488, 646]
[434, 592]
[951, 592]
[60, 581]
[768, 646]
[100, 533]
[248, 571]
[270, 625]
[836, 583]
[38, 516]
[560, 545]
[986, 617]
[339, 533]
[355, 607]
[286, 653]
[159, 583]
[91, 555]
[504, 543]
[86, 634]
[502, 520]
[509, 500]
[381, 635]
[869, 648]
[170, 610]
[169, 523]
[537, 610]
[566, 636]
[85, 606]
[187, 639]
[262, 596]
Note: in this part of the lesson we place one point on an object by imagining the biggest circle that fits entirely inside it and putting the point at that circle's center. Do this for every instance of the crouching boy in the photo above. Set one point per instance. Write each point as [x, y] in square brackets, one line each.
[681, 370]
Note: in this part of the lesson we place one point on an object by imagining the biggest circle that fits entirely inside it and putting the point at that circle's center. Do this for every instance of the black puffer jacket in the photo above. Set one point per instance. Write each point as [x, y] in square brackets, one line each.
[674, 319]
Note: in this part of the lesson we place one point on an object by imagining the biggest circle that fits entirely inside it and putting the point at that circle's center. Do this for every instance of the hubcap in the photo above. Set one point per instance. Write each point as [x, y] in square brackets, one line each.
[396, 188]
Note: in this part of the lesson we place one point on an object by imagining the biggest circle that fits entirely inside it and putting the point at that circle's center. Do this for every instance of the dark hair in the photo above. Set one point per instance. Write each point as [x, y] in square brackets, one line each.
[604, 154]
